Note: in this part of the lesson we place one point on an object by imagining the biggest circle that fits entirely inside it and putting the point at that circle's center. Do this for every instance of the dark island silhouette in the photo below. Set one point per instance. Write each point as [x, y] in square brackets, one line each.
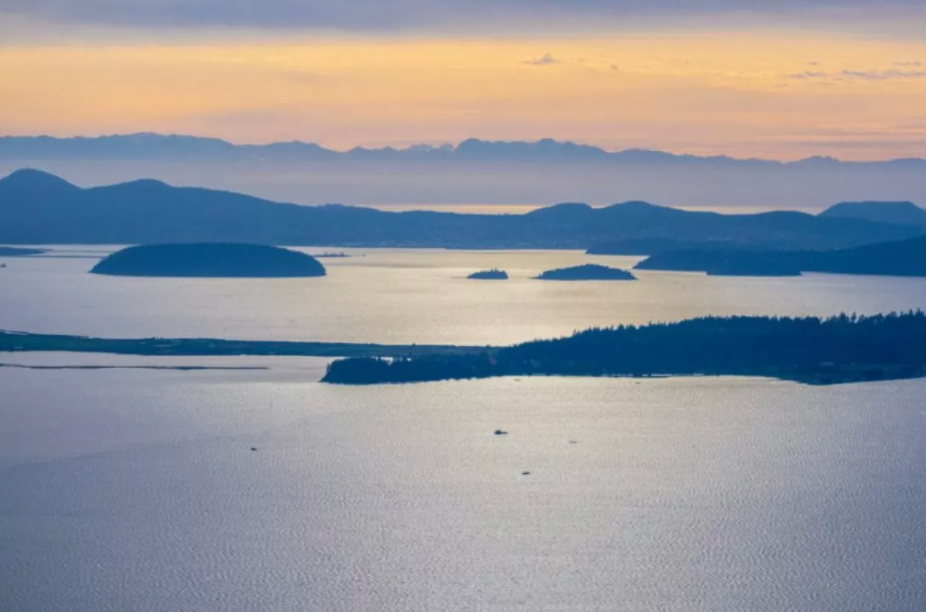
[6, 251]
[202, 260]
[899, 258]
[587, 272]
[493, 274]
[39, 208]
[810, 350]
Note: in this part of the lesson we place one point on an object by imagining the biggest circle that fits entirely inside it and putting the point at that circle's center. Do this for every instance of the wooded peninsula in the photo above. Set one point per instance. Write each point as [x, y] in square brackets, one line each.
[840, 349]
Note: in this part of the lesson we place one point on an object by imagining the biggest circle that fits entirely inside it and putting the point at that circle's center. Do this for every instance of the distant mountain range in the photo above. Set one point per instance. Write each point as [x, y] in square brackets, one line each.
[890, 213]
[151, 146]
[473, 171]
[40, 208]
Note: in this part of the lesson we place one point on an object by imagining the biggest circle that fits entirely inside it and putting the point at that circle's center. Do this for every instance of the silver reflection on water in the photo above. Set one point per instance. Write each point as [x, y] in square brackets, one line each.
[133, 489]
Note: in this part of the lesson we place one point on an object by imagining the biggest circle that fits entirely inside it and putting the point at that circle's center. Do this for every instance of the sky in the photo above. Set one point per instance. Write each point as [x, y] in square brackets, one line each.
[781, 79]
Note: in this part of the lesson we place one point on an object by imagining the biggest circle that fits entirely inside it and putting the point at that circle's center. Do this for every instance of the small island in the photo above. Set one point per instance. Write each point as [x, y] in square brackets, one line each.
[6, 251]
[493, 274]
[330, 255]
[587, 272]
[209, 260]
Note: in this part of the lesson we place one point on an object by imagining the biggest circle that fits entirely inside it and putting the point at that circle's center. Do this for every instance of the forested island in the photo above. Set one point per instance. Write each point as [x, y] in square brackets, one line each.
[840, 349]
[899, 258]
[587, 272]
[493, 274]
[205, 260]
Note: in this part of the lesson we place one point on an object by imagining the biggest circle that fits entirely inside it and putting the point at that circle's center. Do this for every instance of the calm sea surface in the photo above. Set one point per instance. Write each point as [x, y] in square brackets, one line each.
[406, 296]
[133, 489]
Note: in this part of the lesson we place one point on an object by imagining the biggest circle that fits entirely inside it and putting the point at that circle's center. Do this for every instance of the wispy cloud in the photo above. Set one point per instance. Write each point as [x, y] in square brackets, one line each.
[544, 60]
[809, 74]
[865, 75]
[883, 75]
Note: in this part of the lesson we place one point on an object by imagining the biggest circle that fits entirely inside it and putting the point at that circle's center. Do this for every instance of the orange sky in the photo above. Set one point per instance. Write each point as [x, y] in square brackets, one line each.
[743, 93]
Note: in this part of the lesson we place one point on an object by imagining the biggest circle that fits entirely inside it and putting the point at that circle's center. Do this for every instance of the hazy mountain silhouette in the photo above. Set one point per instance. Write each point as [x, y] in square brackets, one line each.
[542, 171]
[901, 213]
[32, 183]
[39, 208]
[160, 146]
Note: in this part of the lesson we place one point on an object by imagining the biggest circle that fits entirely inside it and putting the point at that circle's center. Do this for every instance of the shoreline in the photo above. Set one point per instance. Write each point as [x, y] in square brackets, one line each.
[624, 352]
[18, 342]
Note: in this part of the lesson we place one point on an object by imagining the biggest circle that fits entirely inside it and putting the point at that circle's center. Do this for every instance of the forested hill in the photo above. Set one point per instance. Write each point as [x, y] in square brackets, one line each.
[897, 258]
[820, 351]
[39, 208]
